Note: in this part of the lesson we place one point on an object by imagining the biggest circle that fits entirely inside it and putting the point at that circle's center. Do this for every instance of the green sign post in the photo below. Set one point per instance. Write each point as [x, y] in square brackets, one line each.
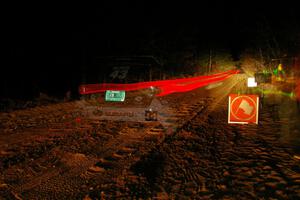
[111, 95]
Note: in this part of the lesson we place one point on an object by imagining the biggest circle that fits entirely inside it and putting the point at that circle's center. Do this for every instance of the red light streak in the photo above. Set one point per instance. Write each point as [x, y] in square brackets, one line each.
[166, 86]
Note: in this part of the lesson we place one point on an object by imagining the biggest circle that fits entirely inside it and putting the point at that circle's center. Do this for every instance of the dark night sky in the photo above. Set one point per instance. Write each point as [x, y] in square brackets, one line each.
[45, 42]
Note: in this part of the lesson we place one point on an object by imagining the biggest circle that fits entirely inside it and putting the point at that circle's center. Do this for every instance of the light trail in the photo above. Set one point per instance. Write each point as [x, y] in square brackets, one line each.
[277, 92]
[166, 86]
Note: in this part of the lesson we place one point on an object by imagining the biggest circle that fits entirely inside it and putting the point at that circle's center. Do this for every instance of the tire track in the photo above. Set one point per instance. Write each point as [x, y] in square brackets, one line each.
[53, 133]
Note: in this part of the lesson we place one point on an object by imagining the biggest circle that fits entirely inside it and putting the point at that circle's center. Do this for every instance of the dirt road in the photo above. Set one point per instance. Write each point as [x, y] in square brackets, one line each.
[52, 152]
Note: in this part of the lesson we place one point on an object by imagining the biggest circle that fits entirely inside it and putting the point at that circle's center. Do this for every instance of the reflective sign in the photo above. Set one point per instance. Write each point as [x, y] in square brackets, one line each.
[243, 109]
[111, 95]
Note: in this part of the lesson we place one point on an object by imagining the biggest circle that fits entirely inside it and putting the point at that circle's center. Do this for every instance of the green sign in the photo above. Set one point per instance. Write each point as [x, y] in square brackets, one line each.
[111, 95]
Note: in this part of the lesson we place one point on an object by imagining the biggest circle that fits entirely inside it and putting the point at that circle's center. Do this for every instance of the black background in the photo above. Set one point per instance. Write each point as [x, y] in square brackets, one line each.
[46, 46]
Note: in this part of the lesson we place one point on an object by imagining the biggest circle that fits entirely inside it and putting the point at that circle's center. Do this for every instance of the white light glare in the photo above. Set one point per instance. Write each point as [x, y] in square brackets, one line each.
[251, 82]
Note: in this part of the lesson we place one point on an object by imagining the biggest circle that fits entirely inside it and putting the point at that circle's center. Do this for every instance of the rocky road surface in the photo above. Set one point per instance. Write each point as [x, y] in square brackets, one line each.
[52, 152]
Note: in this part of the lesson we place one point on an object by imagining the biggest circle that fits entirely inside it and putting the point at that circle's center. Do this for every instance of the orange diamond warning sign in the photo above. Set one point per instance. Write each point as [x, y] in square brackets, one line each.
[243, 109]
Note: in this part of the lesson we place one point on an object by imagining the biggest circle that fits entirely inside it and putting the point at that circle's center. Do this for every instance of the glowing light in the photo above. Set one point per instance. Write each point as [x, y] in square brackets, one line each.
[297, 157]
[166, 86]
[275, 71]
[78, 120]
[251, 82]
[280, 67]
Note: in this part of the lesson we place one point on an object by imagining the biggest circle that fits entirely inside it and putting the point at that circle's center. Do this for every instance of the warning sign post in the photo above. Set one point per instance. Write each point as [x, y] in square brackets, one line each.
[243, 109]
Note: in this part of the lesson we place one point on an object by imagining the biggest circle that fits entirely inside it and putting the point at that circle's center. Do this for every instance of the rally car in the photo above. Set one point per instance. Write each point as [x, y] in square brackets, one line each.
[104, 84]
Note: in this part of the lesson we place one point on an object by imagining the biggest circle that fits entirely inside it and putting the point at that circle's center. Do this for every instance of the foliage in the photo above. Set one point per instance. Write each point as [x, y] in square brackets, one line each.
[224, 61]
[251, 63]
[220, 60]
